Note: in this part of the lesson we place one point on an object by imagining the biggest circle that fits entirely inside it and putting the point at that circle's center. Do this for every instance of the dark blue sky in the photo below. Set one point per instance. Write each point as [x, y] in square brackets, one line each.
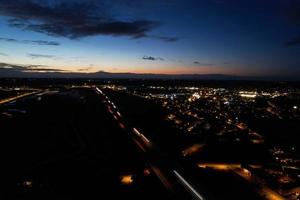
[253, 38]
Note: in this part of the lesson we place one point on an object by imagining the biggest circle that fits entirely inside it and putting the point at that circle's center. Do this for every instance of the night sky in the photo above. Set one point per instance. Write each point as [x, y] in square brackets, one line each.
[235, 37]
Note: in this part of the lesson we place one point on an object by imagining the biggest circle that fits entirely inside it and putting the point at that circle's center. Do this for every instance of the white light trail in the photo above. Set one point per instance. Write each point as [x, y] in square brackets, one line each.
[187, 185]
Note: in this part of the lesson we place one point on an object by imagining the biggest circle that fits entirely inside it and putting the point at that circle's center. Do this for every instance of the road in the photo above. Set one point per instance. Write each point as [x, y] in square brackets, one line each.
[166, 169]
[14, 98]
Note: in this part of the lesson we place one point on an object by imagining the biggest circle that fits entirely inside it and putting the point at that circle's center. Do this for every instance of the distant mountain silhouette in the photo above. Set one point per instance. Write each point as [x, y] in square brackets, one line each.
[7, 73]
[21, 71]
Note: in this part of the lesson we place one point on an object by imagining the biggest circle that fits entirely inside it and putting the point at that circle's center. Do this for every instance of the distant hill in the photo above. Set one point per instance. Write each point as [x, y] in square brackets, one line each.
[22, 71]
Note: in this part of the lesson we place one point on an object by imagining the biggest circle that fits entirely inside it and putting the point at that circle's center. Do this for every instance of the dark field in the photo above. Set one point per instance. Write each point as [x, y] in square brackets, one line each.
[67, 146]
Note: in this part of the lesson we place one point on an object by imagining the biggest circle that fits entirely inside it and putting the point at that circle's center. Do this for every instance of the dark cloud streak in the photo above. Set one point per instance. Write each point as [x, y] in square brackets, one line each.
[35, 42]
[204, 64]
[152, 58]
[166, 38]
[13, 69]
[33, 56]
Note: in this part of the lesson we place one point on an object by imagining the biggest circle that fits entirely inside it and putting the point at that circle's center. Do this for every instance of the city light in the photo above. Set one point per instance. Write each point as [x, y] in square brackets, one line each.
[126, 179]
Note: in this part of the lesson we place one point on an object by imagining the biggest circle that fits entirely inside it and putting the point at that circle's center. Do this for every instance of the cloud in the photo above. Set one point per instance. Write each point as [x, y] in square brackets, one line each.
[44, 70]
[86, 69]
[35, 42]
[3, 54]
[7, 68]
[33, 56]
[71, 19]
[204, 64]
[166, 38]
[152, 58]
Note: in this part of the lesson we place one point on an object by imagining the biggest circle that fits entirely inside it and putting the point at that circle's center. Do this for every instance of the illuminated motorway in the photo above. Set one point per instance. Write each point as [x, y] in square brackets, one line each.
[14, 98]
[166, 170]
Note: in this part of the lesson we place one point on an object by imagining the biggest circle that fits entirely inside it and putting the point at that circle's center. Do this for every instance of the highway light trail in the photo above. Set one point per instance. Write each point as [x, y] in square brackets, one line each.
[116, 118]
[98, 90]
[136, 131]
[139, 145]
[144, 138]
[188, 186]
[122, 126]
[13, 99]
[162, 178]
[145, 145]
[119, 114]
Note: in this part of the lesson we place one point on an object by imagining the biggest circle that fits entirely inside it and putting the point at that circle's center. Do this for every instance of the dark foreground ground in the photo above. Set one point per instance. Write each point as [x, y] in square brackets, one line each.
[65, 145]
